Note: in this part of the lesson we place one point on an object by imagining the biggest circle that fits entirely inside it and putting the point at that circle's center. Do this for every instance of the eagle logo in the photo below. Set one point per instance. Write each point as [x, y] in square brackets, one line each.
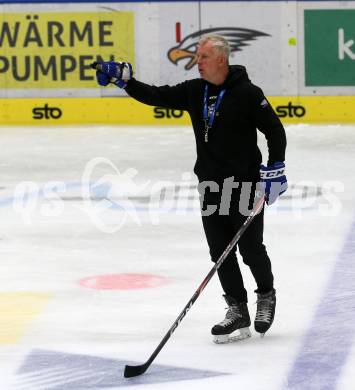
[237, 38]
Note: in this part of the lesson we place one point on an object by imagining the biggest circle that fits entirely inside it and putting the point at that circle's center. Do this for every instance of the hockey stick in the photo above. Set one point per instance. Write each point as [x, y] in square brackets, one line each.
[131, 371]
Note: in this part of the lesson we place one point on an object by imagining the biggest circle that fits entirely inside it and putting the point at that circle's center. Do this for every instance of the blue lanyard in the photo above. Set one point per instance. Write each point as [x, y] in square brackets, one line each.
[208, 117]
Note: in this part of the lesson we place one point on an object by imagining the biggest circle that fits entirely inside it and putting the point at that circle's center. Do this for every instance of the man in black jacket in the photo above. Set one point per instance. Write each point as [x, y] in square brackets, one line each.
[226, 110]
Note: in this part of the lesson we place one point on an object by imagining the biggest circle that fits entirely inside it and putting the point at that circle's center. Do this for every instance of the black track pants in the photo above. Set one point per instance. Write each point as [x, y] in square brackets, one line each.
[219, 230]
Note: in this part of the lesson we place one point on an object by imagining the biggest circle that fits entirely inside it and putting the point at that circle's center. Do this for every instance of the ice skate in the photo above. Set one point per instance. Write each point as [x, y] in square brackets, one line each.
[265, 311]
[236, 324]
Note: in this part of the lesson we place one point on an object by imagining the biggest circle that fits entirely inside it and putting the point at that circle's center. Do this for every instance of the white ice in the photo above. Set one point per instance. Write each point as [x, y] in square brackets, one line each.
[51, 237]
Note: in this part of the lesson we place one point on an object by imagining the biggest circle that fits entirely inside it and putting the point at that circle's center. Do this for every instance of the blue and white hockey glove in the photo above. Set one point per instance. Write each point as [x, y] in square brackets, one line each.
[117, 73]
[273, 180]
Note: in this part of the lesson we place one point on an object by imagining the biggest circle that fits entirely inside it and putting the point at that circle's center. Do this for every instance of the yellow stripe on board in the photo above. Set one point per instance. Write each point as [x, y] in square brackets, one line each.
[314, 109]
[17, 311]
[127, 111]
[120, 110]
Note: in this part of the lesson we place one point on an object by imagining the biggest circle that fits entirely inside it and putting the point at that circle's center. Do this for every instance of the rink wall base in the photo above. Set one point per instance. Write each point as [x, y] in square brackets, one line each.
[127, 111]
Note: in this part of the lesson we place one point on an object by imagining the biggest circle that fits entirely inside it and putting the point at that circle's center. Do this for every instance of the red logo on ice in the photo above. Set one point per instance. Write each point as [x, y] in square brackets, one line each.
[129, 281]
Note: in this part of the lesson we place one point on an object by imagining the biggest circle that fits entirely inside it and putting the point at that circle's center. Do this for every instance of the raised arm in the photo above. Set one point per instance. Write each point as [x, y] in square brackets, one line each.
[121, 75]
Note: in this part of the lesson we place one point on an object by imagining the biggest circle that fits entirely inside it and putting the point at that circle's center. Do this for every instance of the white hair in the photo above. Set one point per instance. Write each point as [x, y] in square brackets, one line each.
[219, 42]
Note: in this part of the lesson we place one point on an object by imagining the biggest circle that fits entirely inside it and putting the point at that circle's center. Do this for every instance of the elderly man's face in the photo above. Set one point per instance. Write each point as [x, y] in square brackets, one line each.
[210, 62]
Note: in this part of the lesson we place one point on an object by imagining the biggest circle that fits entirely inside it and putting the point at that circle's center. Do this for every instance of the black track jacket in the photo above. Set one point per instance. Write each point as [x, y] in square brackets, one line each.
[232, 148]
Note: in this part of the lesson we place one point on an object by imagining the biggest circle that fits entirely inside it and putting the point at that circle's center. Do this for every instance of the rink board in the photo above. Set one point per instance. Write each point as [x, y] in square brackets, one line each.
[127, 111]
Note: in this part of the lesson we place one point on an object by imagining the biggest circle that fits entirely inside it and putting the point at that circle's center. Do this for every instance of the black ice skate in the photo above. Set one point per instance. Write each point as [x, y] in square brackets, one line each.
[236, 324]
[265, 311]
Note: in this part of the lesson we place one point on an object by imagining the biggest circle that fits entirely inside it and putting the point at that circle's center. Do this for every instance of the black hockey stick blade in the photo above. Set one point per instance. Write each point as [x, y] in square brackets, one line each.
[131, 371]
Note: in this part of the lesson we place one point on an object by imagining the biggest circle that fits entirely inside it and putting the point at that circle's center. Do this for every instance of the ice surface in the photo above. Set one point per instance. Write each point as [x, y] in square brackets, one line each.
[64, 218]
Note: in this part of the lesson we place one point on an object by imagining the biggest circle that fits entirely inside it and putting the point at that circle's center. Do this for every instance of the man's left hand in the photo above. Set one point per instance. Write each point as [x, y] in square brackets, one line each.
[273, 180]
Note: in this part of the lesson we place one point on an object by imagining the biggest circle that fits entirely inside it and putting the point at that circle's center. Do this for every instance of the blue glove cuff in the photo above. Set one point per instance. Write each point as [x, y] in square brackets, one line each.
[273, 171]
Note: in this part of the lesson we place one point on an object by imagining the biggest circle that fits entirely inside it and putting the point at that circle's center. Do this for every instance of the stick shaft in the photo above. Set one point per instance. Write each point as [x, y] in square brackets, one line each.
[138, 370]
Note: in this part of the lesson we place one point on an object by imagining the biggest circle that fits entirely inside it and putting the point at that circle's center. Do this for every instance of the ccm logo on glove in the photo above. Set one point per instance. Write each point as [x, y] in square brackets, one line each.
[271, 174]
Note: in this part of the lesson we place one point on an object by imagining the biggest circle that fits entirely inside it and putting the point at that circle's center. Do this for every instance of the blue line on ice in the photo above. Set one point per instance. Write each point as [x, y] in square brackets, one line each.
[328, 342]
